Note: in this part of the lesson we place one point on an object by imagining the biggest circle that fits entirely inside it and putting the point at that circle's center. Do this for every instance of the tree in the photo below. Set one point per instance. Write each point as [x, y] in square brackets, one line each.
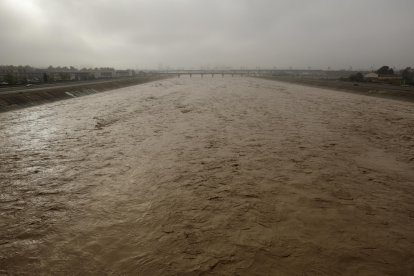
[10, 79]
[385, 70]
[356, 77]
[407, 75]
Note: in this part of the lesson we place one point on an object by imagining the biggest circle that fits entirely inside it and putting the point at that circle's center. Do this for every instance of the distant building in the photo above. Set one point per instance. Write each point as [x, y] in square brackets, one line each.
[371, 76]
[104, 73]
[26, 74]
[84, 75]
[124, 73]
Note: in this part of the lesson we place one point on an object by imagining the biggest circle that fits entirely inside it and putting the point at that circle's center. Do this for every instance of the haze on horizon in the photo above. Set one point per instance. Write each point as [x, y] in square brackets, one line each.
[198, 33]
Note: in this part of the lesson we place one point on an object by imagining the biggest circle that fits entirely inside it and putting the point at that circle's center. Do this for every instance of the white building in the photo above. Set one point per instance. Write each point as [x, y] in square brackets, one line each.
[371, 76]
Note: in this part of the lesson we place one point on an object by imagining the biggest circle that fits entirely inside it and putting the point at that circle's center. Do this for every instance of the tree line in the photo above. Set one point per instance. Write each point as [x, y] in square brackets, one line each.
[407, 74]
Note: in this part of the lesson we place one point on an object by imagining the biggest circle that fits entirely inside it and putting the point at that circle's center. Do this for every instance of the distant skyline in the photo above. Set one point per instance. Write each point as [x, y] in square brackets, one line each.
[149, 34]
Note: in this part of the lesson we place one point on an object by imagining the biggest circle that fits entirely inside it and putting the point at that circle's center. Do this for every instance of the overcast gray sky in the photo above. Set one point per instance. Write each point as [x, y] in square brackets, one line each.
[195, 33]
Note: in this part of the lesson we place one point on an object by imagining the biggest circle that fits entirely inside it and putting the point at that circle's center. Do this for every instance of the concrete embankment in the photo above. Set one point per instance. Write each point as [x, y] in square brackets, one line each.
[31, 97]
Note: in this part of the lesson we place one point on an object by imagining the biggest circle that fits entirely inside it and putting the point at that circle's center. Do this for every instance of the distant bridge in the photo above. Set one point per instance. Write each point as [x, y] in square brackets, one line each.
[213, 73]
[319, 73]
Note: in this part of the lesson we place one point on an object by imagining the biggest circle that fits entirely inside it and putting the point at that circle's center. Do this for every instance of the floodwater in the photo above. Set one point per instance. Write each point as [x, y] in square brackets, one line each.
[209, 176]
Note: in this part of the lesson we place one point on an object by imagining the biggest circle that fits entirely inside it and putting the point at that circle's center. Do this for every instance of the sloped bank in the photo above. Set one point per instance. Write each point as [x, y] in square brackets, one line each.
[16, 100]
[401, 93]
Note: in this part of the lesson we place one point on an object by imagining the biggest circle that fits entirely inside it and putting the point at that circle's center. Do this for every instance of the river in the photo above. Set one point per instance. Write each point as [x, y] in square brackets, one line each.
[209, 176]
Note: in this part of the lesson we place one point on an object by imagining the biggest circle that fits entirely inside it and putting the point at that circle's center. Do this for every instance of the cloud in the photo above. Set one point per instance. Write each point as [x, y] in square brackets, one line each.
[192, 33]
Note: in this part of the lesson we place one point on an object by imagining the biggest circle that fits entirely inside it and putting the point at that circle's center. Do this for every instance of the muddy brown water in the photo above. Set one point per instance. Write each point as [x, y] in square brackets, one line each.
[208, 176]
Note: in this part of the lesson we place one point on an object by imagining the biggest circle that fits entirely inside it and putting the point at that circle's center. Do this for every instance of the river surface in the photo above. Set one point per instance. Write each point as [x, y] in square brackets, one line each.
[209, 176]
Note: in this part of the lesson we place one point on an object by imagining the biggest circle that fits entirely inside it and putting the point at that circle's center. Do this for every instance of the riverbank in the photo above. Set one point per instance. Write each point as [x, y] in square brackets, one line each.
[13, 100]
[403, 93]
